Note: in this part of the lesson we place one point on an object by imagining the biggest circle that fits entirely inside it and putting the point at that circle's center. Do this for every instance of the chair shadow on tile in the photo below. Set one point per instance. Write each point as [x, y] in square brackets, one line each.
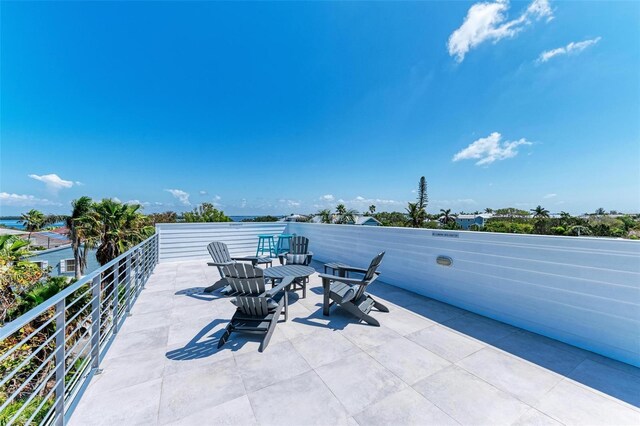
[199, 294]
[205, 343]
[335, 321]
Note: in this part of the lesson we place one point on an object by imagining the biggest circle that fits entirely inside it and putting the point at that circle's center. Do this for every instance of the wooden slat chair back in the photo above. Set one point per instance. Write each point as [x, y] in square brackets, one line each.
[298, 253]
[252, 305]
[299, 245]
[369, 275]
[219, 252]
[244, 278]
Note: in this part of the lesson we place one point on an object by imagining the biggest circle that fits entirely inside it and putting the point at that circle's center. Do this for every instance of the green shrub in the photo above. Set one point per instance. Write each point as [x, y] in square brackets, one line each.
[8, 413]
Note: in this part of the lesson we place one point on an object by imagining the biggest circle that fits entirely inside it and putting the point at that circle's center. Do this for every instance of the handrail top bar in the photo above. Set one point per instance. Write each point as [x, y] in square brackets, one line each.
[15, 325]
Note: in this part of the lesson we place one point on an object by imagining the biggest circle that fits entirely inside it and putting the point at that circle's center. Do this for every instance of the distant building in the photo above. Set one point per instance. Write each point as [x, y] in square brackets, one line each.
[466, 220]
[47, 239]
[61, 261]
[357, 220]
[294, 218]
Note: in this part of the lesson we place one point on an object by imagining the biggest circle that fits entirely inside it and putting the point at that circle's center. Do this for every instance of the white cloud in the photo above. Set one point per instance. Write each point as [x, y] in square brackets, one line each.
[217, 198]
[53, 182]
[142, 203]
[488, 22]
[23, 200]
[243, 203]
[181, 195]
[550, 196]
[490, 149]
[290, 203]
[572, 48]
[116, 199]
[327, 197]
[203, 192]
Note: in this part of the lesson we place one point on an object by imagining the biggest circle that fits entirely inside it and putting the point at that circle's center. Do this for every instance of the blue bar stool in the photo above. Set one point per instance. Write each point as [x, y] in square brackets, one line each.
[266, 243]
[282, 240]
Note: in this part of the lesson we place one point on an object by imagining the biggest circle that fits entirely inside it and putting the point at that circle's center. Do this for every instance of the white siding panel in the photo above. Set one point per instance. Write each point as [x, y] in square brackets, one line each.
[583, 291]
[188, 241]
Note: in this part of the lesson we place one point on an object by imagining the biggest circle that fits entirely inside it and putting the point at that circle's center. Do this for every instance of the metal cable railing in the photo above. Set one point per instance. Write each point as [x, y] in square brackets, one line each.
[49, 354]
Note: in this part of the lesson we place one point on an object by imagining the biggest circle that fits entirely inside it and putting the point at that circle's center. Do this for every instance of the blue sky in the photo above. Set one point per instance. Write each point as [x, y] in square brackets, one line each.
[290, 107]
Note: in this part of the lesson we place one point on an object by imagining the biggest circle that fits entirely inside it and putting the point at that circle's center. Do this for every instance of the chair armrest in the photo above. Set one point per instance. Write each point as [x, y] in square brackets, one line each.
[281, 285]
[351, 269]
[220, 264]
[341, 279]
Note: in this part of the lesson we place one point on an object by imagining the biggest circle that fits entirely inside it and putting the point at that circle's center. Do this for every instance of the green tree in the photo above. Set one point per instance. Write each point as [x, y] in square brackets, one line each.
[325, 215]
[415, 215]
[488, 210]
[540, 212]
[117, 226]
[372, 209]
[81, 242]
[206, 212]
[600, 211]
[447, 217]
[164, 217]
[417, 211]
[344, 215]
[33, 221]
[578, 230]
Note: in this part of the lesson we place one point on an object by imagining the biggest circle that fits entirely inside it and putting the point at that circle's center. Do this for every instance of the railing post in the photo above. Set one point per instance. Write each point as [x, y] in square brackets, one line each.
[140, 271]
[60, 362]
[127, 288]
[95, 323]
[116, 292]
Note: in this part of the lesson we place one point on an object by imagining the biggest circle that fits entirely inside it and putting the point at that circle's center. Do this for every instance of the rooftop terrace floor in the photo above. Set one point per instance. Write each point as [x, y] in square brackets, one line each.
[429, 363]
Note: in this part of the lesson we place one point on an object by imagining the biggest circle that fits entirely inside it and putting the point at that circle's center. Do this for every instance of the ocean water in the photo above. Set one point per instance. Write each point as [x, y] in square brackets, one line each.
[239, 218]
[15, 223]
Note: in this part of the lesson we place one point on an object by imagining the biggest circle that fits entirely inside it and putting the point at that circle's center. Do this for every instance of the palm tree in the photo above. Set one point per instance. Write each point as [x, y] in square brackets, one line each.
[81, 242]
[540, 212]
[345, 216]
[488, 210]
[416, 215]
[372, 209]
[325, 215]
[447, 216]
[33, 221]
[117, 226]
[600, 211]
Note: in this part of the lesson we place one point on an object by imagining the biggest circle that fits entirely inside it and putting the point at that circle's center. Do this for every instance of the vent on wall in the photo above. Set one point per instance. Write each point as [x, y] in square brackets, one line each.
[444, 261]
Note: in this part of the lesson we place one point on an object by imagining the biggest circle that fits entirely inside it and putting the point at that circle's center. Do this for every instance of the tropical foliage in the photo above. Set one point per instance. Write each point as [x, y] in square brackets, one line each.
[344, 215]
[164, 217]
[81, 241]
[206, 212]
[267, 218]
[417, 211]
[115, 228]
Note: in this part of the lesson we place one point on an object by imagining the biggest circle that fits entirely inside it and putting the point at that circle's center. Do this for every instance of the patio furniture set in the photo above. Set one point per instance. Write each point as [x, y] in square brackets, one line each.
[258, 308]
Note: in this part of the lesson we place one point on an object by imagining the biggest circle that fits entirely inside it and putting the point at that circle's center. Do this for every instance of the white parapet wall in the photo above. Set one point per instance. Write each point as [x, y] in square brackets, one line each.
[188, 241]
[579, 290]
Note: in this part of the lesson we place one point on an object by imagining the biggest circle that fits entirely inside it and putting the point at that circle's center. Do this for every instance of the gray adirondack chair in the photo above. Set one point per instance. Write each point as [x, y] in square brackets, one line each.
[298, 253]
[350, 293]
[258, 309]
[221, 257]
